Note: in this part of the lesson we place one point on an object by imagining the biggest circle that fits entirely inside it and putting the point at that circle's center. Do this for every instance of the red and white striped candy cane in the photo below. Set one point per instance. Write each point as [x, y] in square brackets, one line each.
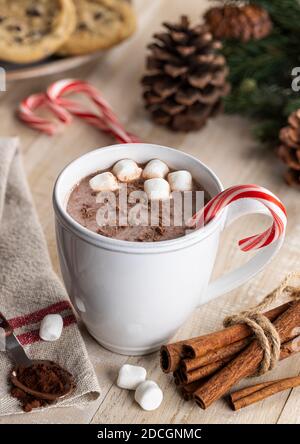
[106, 120]
[63, 108]
[276, 208]
[29, 106]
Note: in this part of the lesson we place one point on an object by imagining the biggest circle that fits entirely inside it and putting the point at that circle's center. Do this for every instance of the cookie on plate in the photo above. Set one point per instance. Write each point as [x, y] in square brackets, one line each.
[31, 30]
[100, 25]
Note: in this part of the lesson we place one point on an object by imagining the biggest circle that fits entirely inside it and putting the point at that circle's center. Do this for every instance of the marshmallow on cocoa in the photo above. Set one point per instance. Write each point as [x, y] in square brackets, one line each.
[180, 181]
[155, 169]
[157, 189]
[148, 395]
[130, 376]
[104, 182]
[127, 170]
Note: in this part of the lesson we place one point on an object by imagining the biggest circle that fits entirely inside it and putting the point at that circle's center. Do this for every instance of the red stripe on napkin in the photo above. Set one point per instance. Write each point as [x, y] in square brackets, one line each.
[37, 316]
[33, 336]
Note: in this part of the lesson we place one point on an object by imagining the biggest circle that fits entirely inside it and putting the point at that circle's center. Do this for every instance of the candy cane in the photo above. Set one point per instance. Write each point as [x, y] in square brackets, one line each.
[63, 108]
[27, 114]
[106, 120]
[276, 208]
[96, 120]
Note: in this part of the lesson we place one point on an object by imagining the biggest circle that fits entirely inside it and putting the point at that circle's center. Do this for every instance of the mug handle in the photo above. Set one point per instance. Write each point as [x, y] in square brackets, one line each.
[242, 206]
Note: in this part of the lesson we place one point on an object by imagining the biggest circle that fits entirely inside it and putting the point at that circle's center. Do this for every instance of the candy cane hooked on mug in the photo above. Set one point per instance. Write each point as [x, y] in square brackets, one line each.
[233, 194]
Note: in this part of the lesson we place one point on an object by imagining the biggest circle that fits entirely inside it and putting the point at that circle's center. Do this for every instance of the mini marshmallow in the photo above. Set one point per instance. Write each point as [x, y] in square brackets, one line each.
[130, 376]
[157, 189]
[148, 395]
[180, 181]
[104, 182]
[155, 168]
[51, 327]
[127, 170]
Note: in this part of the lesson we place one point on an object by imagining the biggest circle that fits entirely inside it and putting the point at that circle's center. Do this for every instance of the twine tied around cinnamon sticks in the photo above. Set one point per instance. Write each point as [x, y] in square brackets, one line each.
[262, 327]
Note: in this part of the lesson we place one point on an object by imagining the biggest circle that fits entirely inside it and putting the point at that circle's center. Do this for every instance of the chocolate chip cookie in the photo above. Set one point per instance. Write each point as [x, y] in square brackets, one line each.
[31, 30]
[100, 25]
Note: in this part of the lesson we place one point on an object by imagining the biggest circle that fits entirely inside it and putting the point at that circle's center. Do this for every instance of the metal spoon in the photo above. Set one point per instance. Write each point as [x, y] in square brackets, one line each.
[17, 354]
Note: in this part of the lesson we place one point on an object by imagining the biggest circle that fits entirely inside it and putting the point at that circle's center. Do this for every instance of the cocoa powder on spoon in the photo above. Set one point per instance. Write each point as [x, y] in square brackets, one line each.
[46, 378]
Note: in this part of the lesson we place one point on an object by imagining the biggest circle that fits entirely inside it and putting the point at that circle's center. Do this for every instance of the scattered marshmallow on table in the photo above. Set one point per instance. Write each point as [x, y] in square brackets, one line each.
[157, 189]
[130, 376]
[127, 170]
[180, 181]
[51, 327]
[148, 395]
[104, 182]
[154, 169]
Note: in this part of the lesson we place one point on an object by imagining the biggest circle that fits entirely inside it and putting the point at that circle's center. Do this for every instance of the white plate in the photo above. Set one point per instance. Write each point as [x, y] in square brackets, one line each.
[47, 67]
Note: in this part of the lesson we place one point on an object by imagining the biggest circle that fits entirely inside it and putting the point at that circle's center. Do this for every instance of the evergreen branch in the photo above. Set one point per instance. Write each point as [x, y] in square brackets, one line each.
[260, 70]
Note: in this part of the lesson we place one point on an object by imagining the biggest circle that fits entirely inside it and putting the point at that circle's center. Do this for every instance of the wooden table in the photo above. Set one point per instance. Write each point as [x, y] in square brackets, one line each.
[226, 145]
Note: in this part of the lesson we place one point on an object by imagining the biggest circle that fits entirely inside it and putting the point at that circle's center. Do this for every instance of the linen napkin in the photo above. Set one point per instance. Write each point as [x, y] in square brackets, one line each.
[29, 288]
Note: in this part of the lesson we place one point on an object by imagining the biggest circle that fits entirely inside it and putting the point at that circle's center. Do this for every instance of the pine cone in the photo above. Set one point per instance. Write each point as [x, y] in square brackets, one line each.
[243, 23]
[289, 150]
[186, 77]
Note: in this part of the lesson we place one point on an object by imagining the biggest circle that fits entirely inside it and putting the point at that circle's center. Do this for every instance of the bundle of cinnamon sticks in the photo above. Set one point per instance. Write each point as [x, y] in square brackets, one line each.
[207, 367]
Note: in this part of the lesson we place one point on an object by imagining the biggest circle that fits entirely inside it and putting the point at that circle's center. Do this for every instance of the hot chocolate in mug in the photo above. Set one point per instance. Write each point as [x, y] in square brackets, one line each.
[133, 296]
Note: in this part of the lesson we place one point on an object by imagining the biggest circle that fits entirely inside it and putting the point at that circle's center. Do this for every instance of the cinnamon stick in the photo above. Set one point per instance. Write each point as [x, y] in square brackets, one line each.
[247, 362]
[214, 356]
[202, 372]
[191, 372]
[171, 354]
[178, 380]
[188, 390]
[288, 349]
[200, 346]
[250, 395]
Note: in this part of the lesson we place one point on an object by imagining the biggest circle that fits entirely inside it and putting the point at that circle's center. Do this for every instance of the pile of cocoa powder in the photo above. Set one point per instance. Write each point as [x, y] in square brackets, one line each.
[43, 378]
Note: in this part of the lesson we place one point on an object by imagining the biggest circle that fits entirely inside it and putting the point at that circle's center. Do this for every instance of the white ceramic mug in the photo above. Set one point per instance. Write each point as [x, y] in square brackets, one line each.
[133, 296]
